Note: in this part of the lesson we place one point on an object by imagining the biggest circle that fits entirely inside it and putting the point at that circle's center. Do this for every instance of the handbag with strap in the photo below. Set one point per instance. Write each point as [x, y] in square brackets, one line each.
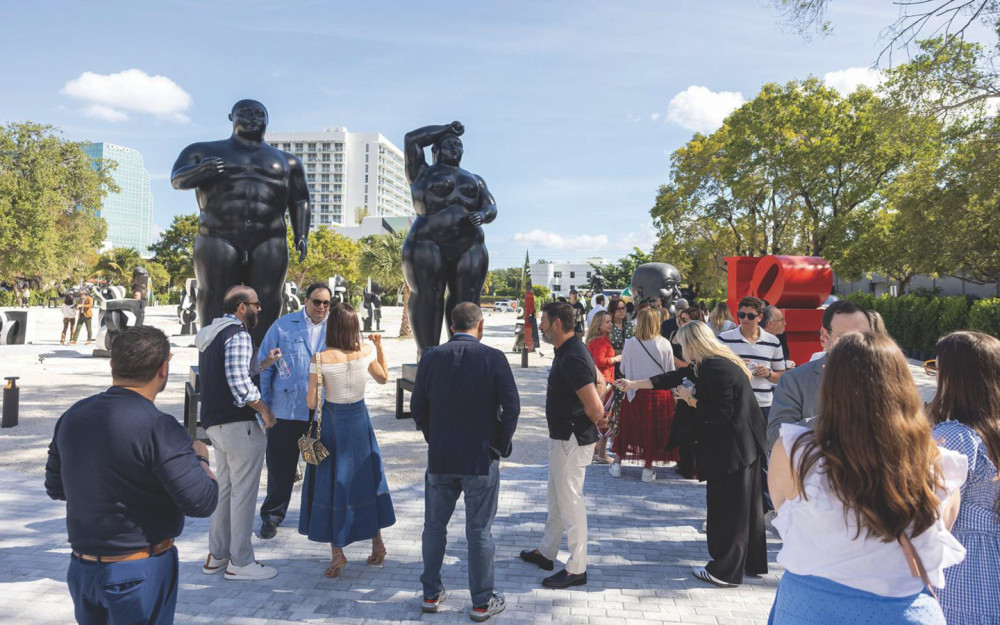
[916, 564]
[312, 448]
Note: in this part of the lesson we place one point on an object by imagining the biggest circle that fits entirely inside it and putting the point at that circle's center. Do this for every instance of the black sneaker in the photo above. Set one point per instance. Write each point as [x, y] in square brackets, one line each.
[431, 603]
[535, 557]
[495, 605]
[565, 579]
[268, 529]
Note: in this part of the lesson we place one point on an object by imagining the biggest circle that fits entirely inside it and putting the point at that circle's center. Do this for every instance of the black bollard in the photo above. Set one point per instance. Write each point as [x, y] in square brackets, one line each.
[524, 358]
[11, 395]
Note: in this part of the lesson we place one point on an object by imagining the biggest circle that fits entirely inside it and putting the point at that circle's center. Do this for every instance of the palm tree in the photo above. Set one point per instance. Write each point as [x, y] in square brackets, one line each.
[116, 265]
[382, 261]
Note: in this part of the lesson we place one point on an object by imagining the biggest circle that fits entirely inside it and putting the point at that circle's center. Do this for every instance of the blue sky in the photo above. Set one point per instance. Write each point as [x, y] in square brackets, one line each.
[571, 108]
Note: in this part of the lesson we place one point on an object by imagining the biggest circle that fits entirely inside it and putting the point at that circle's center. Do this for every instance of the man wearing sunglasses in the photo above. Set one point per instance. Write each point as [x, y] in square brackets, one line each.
[760, 350]
[298, 336]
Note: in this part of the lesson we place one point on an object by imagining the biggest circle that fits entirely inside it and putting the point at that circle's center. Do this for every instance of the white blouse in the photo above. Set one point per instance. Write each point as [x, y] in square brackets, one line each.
[344, 382]
[637, 364]
[68, 312]
[819, 540]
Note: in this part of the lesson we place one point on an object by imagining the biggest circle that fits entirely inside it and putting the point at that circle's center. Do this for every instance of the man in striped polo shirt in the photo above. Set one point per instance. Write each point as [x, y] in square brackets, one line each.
[760, 350]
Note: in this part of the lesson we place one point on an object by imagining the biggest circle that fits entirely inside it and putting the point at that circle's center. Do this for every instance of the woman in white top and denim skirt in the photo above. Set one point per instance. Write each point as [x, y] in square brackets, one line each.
[345, 498]
[859, 494]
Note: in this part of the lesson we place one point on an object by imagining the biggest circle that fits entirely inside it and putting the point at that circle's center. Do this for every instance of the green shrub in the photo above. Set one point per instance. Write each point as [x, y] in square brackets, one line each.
[984, 316]
[8, 298]
[954, 316]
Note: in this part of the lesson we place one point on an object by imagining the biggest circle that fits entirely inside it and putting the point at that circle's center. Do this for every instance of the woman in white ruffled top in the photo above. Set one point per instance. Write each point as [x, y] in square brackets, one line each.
[345, 498]
[866, 500]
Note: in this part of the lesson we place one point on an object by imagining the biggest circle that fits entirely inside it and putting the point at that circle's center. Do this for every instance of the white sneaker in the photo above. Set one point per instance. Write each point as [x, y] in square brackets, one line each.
[250, 573]
[615, 469]
[214, 565]
[648, 475]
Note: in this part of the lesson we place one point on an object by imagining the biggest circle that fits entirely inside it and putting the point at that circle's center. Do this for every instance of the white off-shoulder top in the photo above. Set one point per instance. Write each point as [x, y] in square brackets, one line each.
[819, 540]
[344, 382]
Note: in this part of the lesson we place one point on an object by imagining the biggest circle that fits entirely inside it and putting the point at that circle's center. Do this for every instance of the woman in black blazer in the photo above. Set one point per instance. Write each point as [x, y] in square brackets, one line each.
[730, 442]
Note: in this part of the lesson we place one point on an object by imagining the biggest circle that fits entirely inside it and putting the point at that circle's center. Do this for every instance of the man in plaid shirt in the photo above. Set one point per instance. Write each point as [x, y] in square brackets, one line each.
[230, 404]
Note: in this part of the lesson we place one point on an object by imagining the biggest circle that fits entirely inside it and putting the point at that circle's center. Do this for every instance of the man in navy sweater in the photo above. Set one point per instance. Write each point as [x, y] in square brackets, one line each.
[128, 473]
[466, 403]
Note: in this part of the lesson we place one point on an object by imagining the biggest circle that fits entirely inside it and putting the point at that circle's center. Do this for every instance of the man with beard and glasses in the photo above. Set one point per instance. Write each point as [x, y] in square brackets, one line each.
[230, 403]
[128, 473]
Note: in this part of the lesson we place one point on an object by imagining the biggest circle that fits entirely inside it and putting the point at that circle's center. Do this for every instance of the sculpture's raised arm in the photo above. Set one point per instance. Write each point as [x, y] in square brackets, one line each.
[416, 140]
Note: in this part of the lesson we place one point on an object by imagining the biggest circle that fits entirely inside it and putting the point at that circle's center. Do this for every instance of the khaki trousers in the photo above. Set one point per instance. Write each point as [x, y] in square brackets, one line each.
[239, 456]
[568, 463]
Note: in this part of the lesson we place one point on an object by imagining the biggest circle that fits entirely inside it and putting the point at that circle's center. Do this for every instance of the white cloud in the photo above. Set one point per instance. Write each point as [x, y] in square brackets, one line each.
[655, 117]
[550, 240]
[847, 81]
[701, 109]
[133, 90]
[106, 113]
[644, 239]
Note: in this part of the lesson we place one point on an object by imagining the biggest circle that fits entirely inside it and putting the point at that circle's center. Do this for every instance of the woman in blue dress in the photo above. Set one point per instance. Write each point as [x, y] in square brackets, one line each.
[346, 498]
[966, 412]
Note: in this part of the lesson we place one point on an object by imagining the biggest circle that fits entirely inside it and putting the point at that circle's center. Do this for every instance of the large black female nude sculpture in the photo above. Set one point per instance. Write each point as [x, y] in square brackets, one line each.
[445, 246]
[244, 186]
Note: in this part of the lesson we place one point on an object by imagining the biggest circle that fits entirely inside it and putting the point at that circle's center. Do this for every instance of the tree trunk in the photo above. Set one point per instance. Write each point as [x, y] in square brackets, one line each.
[404, 326]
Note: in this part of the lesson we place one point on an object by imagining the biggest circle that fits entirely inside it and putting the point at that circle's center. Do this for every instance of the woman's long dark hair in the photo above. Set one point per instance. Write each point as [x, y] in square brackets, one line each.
[343, 330]
[873, 439]
[969, 387]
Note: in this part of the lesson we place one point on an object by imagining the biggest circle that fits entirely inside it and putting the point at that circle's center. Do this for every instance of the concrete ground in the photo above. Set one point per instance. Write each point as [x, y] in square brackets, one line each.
[643, 537]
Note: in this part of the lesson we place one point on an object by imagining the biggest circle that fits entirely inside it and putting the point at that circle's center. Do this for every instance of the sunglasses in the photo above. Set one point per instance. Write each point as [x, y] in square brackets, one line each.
[750, 316]
[321, 302]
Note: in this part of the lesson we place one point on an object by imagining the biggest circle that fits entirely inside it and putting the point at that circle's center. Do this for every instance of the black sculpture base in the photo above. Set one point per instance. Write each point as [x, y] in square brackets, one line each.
[405, 382]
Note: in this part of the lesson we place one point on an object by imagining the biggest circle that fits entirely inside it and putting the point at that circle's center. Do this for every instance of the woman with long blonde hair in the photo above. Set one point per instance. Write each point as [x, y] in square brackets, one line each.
[720, 319]
[646, 414]
[599, 345]
[864, 502]
[966, 411]
[731, 442]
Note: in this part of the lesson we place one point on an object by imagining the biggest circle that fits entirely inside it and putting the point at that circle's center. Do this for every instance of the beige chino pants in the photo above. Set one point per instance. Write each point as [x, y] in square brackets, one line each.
[239, 456]
[568, 463]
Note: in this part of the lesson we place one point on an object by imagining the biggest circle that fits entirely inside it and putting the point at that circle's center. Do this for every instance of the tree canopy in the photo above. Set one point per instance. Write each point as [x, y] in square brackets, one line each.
[175, 248]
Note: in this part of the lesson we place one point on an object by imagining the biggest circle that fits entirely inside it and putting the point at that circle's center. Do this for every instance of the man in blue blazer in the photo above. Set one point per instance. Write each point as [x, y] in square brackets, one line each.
[299, 335]
[466, 404]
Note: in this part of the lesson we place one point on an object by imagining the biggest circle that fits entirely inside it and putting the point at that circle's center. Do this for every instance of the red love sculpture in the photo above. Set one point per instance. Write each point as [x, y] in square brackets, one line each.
[797, 285]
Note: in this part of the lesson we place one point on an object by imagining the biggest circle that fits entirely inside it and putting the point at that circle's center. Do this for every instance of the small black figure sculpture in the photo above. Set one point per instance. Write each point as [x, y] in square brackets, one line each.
[244, 186]
[445, 246]
[372, 302]
[597, 281]
[659, 280]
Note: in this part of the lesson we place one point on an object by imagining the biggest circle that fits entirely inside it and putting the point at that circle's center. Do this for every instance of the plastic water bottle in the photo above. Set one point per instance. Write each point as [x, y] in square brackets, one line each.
[283, 371]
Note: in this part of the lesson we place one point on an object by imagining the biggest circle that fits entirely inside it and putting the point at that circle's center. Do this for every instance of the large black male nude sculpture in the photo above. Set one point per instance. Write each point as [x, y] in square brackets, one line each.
[445, 246]
[244, 186]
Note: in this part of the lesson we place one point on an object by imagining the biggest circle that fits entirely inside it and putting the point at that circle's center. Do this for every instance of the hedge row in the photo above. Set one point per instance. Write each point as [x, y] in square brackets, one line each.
[918, 321]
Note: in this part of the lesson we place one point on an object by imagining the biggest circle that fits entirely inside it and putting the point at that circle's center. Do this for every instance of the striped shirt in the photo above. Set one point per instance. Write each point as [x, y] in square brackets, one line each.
[766, 351]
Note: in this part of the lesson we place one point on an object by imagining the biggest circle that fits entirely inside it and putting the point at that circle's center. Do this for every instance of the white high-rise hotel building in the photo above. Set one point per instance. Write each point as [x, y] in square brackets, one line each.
[349, 170]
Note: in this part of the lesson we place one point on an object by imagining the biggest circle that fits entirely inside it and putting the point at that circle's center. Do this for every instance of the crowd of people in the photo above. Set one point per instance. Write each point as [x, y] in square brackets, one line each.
[887, 510]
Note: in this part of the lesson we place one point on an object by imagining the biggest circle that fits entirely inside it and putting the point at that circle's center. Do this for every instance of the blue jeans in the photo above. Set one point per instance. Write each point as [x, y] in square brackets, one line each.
[138, 591]
[441, 491]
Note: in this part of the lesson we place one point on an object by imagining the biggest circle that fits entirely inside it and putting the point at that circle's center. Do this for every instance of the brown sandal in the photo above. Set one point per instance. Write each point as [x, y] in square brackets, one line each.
[336, 568]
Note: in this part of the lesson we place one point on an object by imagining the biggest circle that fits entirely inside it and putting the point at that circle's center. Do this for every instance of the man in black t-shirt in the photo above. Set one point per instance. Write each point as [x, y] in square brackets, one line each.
[573, 411]
[579, 313]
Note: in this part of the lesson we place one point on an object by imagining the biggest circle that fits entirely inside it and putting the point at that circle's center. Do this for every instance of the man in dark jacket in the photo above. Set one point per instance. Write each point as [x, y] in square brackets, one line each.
[128, 473]
[466, 403]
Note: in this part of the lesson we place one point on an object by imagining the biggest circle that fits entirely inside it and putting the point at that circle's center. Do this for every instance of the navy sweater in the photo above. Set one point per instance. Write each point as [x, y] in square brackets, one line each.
[127, 472]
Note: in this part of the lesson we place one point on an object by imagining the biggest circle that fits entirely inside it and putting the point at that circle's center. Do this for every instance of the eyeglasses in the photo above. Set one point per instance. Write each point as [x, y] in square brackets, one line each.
[321, 302]
[257, 304]
[750, 316]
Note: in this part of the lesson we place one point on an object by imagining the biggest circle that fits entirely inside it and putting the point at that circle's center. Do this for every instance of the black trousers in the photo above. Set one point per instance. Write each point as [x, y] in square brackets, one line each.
[736, 540]
[282, 459]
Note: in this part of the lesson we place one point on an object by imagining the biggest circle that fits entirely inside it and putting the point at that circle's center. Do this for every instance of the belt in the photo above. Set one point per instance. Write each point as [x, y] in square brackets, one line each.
[152, 550]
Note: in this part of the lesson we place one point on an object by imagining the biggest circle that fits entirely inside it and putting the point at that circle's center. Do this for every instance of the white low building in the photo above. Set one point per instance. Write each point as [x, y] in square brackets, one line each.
[562, 277]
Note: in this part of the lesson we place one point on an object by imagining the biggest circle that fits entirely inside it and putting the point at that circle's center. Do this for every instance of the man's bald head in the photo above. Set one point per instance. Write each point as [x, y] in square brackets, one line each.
[236, 295]
[466, 317]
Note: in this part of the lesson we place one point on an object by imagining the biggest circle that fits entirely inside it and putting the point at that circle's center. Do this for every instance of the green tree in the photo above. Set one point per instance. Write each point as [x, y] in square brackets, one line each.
[359, 214]
[116, 265]
[158, 275]
[382, 261]
[330, 253]
[50, 195]
[175, 249]
[619, 275]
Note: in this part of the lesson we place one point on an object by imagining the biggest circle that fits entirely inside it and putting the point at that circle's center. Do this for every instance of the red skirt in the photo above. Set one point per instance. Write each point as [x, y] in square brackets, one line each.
[644, 427]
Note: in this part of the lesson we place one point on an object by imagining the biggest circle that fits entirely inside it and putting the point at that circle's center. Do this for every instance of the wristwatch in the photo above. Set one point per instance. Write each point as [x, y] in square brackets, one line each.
[204, 459]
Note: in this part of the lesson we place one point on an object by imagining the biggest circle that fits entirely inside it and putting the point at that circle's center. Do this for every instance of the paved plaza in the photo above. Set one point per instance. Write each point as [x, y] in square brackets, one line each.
[643, 537]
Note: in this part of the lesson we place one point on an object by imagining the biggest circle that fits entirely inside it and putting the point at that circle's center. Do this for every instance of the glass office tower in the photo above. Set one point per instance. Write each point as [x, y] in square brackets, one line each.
[129, 212]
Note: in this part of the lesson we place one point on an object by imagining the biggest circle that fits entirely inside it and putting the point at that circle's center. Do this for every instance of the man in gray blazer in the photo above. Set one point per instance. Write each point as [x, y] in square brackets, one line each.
[796, 398]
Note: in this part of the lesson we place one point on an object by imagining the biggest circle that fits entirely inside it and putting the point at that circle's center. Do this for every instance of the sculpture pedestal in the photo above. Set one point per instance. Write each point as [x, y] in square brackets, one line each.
[405, 382]
[14, 327]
